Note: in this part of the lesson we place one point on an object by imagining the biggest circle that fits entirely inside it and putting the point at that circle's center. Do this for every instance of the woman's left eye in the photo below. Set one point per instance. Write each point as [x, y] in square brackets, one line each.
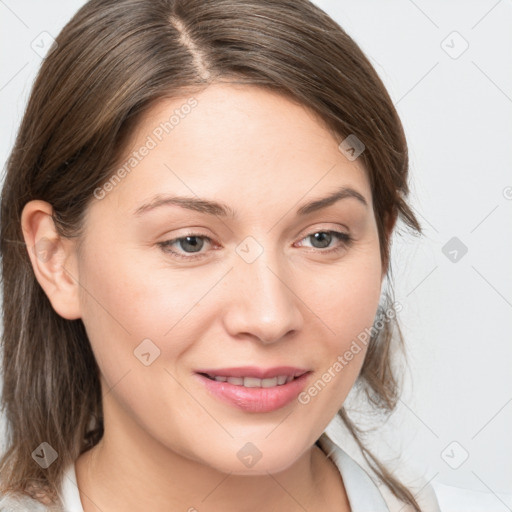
[344, 239]
[195, 243]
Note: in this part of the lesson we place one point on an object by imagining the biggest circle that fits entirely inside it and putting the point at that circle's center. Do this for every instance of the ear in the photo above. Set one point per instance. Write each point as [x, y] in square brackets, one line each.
[53, 258]
[389, 225]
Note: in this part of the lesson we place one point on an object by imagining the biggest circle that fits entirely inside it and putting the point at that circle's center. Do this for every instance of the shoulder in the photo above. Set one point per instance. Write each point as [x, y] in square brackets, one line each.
[17, 502]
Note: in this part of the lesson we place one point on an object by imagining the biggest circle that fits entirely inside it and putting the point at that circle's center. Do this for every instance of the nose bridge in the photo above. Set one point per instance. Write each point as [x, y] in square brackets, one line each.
[264, 304]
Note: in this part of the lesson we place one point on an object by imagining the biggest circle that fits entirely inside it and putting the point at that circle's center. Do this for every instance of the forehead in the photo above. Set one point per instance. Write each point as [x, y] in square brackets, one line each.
[235, 141]
[233, 114]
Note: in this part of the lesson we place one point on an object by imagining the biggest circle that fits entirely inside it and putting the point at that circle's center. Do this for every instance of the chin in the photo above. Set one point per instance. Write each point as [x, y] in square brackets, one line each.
[256, 458]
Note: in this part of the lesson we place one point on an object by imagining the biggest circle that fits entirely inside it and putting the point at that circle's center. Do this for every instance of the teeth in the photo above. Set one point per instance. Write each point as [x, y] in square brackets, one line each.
[268, 383]
[281, 380]
[253, 382]
[239, 381]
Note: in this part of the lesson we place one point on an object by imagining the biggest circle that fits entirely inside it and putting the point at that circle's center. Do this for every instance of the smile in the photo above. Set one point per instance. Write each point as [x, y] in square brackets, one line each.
[255, 394]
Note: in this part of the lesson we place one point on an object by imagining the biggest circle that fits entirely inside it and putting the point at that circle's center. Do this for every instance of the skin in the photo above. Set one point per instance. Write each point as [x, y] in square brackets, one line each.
[168, 443]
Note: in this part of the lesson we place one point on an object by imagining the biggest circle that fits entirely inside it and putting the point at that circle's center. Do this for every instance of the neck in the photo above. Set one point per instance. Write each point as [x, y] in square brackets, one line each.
[129, 470]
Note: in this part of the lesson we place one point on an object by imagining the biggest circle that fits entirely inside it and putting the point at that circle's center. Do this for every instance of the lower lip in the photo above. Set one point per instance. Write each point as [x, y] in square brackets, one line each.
[255, 399]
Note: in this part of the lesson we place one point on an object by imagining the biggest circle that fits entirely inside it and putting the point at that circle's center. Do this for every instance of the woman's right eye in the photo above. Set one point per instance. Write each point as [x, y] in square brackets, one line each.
[192, 241]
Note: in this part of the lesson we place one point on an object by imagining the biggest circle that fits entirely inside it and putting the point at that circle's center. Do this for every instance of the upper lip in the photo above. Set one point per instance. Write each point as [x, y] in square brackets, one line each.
[254, 371]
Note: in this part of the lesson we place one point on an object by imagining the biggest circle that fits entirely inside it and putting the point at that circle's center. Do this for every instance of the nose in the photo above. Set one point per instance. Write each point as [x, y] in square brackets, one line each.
[262, 303]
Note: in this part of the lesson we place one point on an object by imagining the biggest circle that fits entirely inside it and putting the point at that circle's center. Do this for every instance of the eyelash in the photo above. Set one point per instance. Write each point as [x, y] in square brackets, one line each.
[345, 239]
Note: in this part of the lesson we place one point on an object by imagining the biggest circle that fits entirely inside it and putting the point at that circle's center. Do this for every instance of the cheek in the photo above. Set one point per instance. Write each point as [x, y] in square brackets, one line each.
[345, 304]
[139, 325]
[345, 298]
[125, 299]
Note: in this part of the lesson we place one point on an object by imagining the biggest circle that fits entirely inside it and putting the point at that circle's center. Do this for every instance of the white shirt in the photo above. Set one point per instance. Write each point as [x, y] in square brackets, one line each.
[363, 494]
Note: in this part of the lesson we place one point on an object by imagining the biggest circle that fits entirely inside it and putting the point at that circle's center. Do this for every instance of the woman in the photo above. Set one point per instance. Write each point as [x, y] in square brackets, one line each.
[196, 222]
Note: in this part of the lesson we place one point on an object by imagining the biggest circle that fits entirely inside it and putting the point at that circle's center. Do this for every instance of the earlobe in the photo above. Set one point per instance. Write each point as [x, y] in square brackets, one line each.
[53, 258]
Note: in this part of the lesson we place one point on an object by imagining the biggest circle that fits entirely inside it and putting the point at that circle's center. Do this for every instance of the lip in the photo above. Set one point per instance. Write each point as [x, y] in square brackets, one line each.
[255, 400]
[254, 371]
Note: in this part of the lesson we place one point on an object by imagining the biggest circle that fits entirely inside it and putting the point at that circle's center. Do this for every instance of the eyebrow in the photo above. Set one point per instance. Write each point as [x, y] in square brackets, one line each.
[210, 207]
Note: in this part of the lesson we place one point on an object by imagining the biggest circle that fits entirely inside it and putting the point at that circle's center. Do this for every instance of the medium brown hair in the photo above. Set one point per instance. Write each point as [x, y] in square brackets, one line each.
[112, 62]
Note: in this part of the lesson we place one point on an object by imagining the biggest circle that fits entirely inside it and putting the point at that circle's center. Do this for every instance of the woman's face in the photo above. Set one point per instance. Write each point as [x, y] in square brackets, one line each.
[262, 282]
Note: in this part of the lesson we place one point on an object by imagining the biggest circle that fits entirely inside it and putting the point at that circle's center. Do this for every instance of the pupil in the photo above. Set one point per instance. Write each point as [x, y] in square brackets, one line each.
[322, 235]
[195, 246]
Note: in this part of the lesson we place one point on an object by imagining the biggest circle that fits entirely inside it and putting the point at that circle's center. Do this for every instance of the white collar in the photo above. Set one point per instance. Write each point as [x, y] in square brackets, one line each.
[362, 492]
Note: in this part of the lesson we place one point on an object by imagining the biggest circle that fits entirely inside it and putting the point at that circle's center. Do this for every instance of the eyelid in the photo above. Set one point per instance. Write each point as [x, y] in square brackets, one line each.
[325, 226]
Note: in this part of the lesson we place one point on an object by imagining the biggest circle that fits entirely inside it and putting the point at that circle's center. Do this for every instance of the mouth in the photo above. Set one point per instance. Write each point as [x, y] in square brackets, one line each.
[253, 389]
[254, 382]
